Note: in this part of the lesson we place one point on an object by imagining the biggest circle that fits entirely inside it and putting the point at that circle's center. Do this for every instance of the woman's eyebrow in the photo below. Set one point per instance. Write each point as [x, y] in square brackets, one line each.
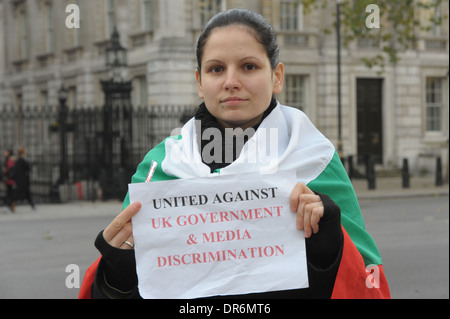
[250, 58]
[212, 61]
[241, 60]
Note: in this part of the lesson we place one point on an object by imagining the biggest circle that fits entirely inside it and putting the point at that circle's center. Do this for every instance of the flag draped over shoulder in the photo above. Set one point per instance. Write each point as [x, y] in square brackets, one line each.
[286, 139]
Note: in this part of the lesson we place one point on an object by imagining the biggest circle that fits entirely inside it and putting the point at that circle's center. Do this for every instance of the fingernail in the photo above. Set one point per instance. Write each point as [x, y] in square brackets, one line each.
[137, 204]
[307, 233]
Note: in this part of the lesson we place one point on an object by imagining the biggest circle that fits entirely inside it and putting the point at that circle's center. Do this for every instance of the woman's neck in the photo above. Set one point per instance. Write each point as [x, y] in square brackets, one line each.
[224, 140]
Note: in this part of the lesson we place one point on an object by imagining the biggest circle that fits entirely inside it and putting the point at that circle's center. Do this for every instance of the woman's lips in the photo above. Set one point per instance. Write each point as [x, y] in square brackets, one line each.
[233, 101]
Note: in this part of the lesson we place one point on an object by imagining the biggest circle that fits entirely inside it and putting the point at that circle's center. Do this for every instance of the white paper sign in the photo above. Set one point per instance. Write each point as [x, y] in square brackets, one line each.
[220, 235]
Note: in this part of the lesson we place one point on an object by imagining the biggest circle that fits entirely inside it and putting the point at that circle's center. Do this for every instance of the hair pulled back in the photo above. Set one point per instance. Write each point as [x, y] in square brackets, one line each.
[263, 31]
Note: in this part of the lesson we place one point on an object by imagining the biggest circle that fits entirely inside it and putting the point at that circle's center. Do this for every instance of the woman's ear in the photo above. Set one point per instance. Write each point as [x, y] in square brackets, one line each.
[278, 78]
[199, 83]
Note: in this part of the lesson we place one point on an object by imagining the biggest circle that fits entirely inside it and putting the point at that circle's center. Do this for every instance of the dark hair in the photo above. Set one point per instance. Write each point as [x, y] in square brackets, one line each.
[264, 32]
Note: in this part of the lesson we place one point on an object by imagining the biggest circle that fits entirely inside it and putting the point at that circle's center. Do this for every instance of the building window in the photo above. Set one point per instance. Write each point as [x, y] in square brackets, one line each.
[23, 27]
[140, 94]
[78, 31]
[428, 15]
[436, 29]
[208, 8]
[18, 101]
[434, 104]
[49, 27]
[295, 92]
[111, 17]
[72, 97]
[147, 12]
[291, 15]
[43, 96]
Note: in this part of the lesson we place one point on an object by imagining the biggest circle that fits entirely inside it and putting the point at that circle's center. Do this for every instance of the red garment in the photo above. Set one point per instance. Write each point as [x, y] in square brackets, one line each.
[85, 290]
[9, 166]
[354, 280]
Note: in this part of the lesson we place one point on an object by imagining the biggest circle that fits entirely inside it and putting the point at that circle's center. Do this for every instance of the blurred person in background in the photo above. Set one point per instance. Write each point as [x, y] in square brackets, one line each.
[22, 179]
[9, 174]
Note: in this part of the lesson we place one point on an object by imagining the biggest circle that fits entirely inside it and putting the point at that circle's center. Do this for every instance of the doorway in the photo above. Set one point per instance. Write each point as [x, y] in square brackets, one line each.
[369, 98]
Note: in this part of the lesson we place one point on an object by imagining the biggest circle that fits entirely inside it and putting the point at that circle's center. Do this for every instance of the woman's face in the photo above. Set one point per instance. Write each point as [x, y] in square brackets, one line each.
[236, 80]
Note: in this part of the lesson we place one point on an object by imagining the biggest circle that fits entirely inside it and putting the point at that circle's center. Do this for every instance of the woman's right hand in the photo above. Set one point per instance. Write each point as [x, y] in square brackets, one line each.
[120, 230]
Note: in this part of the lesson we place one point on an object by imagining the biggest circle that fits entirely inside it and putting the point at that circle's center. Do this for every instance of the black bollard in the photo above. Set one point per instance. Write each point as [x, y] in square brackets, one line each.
[438, 171]
[405, 174]
[350, 166]
[371, 172]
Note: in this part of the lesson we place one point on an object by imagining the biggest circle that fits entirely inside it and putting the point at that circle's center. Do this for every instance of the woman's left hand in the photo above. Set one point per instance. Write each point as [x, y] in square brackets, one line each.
[309, 208]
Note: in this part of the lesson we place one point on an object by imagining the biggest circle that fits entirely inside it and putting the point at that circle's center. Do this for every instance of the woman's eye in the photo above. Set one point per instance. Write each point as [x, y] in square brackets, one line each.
[216, 69]
[250, 67]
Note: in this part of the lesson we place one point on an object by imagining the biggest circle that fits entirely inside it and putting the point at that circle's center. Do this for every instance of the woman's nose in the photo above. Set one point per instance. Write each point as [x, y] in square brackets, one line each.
[232, 81]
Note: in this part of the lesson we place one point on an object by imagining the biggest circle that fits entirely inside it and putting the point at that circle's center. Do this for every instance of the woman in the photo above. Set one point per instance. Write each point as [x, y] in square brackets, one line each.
[238, 75]
[10, 183]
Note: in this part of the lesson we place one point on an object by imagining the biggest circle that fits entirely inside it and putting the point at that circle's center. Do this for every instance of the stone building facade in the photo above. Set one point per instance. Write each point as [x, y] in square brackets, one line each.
[401, 113]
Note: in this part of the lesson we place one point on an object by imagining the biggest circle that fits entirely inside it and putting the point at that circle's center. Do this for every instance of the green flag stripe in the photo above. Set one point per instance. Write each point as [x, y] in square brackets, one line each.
[334, 182]
[158, 153]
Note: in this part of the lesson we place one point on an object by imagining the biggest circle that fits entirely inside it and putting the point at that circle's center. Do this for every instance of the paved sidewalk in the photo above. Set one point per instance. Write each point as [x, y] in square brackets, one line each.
[391, 187]
[73, 209]
[386, 187]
